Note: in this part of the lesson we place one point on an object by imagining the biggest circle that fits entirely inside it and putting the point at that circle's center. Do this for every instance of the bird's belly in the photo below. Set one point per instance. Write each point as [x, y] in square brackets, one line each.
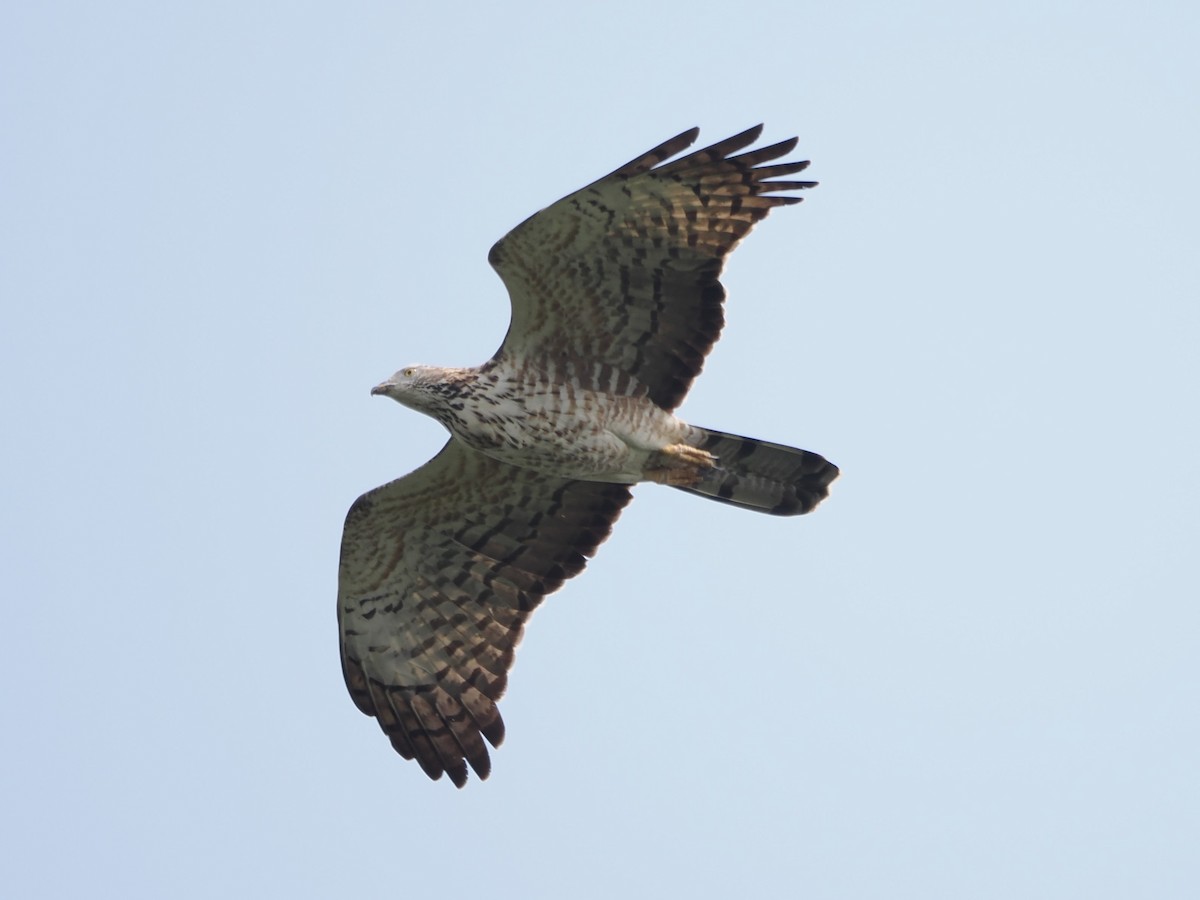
[589, 436]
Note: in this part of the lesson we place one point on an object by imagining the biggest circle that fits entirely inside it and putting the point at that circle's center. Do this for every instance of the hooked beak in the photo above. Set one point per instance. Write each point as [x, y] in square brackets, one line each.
[381, 388]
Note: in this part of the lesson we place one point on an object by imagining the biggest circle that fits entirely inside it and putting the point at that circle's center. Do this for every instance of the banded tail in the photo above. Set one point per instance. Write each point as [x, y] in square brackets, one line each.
[762, 476]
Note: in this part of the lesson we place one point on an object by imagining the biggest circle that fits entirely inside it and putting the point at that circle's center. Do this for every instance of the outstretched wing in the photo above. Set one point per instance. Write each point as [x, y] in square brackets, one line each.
[439, 571]
[624, 274]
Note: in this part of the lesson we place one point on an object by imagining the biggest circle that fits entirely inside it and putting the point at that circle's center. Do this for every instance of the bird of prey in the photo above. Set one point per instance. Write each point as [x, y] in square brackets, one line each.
[616, 301]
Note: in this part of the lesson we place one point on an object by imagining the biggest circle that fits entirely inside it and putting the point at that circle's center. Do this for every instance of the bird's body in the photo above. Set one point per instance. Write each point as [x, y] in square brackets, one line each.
[542, 416]
[616, 300]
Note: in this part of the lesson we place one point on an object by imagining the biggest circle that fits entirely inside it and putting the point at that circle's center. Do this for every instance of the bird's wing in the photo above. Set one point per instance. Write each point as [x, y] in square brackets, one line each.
[439, 571]
[623, 275]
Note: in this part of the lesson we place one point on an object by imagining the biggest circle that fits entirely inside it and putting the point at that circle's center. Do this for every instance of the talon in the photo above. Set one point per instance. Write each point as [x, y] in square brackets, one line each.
[691, 456]
[680, 465]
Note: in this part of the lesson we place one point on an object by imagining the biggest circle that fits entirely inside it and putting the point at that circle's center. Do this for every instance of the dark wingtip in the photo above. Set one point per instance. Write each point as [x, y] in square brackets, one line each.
[751, 134]
[458, 774]
[494, 732]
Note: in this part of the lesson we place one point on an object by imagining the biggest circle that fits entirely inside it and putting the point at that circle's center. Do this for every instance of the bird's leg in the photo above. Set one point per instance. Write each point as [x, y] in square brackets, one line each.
[680, 465]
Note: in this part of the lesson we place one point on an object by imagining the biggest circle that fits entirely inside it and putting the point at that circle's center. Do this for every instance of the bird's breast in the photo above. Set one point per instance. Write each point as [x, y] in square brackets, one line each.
[562, 428]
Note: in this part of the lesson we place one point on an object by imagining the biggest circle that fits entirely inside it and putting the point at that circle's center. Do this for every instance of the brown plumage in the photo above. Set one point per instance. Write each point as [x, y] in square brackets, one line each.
[616, 301]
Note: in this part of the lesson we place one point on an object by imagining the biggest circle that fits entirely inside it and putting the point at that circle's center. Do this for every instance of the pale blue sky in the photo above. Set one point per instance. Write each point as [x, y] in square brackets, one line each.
[972, 673]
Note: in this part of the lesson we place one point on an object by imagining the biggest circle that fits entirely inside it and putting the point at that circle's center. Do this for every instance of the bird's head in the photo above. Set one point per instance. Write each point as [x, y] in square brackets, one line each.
[423, 388]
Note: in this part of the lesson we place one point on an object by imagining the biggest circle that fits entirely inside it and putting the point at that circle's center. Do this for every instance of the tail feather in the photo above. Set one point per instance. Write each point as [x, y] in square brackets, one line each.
[762, 476]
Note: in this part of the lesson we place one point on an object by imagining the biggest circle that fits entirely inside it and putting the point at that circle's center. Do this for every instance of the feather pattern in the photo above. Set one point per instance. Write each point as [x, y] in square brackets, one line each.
[626, 270]
[439, 572]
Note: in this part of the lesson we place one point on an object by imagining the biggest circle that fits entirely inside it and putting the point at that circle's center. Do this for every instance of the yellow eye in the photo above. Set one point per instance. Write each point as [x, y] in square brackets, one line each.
[409, 372]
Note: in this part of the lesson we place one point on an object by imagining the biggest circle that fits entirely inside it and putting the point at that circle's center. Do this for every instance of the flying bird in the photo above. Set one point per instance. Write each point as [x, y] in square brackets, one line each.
[616, 301]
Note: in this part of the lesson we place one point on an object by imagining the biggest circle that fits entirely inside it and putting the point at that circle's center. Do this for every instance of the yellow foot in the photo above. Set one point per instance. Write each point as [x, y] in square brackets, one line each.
[688, 456]
[680, 465]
